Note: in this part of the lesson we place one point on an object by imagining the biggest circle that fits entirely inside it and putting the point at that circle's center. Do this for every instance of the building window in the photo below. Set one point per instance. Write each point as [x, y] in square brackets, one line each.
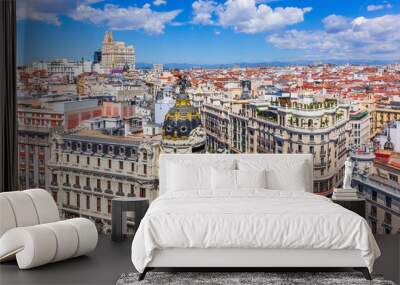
[88, 181]
[88, 160]
[88, 202]
[373, 211]
[393, 177]
[300, 137]
[98, 184]
[54, 179]
[78, 200]
[67, 179]
[145, 169]
[98, 206]
[109, 163]
[108, 184]
[109, 206]
[121, 165]
[388, 218]
[144, 155]
[374, 196]
[311, 149]
[300, 148]
[388, 201]
[67, 157]
[373, 227]
[120, 187]
[132, 167]
[77, 181]
[68, 199]
[77, 159]
[98, 162]
[132, 190]
[57, 158]
[142, 192]
[311, 138]
[55, 196]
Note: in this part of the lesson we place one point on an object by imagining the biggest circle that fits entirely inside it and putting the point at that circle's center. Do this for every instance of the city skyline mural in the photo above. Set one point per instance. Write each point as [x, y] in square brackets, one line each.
[105, 87]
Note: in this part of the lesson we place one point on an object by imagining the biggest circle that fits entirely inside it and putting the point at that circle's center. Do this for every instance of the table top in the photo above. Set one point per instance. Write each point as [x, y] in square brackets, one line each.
[360, 199]
[130, 199]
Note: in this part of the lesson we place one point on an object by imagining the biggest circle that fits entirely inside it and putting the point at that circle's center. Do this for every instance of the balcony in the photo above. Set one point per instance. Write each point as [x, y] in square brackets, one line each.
[77, 186]
[87, 187]
[109, 191]
[96, 189]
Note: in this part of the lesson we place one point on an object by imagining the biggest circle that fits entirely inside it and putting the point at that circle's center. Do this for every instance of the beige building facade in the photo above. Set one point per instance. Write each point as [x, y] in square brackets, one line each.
[283, 126]
[88, 169]
[116, 54]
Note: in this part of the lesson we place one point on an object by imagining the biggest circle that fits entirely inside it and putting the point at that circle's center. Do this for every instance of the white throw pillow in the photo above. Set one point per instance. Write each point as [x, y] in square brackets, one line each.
[223, 179]
[283, 173]
[279, 180]
[251, 178]
[183, 177]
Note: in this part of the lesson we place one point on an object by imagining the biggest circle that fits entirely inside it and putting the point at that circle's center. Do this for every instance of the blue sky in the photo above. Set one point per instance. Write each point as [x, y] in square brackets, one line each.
[211, 32]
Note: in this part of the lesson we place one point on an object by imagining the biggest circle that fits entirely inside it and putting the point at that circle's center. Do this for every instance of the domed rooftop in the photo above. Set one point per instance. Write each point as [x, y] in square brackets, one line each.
[388, 144]
[183, 117]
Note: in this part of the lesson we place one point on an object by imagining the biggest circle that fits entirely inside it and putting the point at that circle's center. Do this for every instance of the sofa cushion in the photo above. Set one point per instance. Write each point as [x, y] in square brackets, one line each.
[7, 220]
[46, 208]
[23, 208]
[41, 244]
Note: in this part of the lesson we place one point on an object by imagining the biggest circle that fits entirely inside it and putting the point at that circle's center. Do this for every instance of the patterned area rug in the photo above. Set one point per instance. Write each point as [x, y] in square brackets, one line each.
[243, 278]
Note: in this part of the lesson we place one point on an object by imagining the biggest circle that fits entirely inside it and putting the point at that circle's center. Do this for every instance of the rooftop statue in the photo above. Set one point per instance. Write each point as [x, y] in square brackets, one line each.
[183, 83]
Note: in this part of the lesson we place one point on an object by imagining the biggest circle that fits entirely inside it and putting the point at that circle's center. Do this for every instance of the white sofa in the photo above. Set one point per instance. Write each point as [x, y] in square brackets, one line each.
[31, 231]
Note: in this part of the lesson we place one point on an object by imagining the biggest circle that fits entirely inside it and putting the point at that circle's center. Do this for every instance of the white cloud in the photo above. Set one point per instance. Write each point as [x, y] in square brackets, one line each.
[246, 16]
[159, 2]
[373, 7]
[48, 11]
[203, 12]
[335, 23]
[130, 18]
[364, 38]
[115, 17]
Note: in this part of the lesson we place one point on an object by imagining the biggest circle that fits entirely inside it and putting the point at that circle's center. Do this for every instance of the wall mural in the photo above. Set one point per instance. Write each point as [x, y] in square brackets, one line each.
[105, 87]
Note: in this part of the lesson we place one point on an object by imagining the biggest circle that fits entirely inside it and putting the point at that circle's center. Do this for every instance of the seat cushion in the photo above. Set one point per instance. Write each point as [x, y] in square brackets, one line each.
[7, 220]
[23, 208]
[46, 208]
[41, 244]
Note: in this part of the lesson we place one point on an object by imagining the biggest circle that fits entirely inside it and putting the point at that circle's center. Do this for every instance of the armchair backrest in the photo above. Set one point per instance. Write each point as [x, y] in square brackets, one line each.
[26, 208]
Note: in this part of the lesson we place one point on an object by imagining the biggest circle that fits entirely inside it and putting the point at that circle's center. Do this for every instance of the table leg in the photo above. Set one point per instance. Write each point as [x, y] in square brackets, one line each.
[116, 222]
[140, 211]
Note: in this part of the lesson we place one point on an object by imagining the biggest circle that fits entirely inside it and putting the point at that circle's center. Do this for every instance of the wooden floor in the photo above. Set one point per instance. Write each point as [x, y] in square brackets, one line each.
[111, 259]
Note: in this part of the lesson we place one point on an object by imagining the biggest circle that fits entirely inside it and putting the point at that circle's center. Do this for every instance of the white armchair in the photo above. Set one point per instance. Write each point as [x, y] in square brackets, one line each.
[31, 230]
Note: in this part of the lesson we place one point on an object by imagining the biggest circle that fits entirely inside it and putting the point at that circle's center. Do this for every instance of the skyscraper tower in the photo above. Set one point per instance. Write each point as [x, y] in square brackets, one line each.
[115, 55]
